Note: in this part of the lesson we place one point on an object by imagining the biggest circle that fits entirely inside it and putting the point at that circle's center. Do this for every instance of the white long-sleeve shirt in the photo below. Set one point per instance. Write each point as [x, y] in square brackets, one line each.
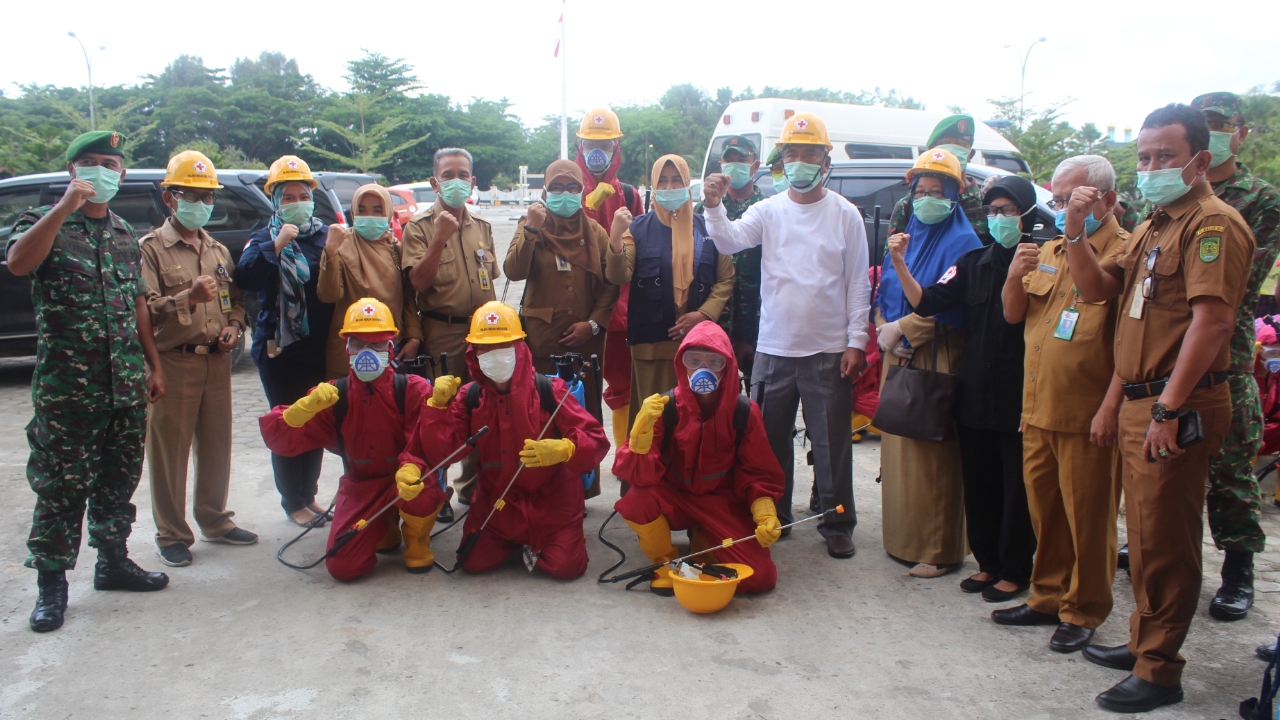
[814, 290]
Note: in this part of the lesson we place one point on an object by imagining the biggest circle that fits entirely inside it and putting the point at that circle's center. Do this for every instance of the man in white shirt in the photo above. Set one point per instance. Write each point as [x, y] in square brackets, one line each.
[815, 297]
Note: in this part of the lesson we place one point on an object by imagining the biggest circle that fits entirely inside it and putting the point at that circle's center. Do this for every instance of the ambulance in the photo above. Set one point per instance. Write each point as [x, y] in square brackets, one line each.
[858, 132]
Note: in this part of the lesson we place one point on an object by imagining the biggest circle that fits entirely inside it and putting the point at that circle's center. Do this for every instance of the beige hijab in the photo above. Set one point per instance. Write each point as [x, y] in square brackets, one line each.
[570, 237]
[373, 266]
[681, 224]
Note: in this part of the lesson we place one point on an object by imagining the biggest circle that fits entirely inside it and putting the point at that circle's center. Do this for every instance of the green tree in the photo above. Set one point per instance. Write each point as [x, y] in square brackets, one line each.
[367, 144]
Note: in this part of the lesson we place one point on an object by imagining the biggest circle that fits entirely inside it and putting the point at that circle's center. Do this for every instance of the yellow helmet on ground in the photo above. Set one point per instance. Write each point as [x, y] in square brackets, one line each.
[289, 168]
[190, 168]
[600, 124]
[494, 322]
[804, 129]
[368, 315]
[940, 162]
[707, 594]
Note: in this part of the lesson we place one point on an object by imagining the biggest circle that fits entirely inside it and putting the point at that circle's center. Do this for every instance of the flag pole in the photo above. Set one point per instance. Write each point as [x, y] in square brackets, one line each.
[564, 91]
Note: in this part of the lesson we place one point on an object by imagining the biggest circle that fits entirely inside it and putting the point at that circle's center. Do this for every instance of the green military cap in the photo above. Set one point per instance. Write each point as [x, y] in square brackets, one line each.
[742, 144]
[957, 126]
[102, 142]
[774, 155]
[1225, 104]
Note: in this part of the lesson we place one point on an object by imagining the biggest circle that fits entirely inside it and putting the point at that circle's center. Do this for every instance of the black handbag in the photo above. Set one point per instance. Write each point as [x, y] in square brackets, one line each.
[917, 403]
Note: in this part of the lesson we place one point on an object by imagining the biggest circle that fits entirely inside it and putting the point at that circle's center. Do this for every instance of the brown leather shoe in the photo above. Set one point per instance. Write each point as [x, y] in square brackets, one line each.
[840, 547]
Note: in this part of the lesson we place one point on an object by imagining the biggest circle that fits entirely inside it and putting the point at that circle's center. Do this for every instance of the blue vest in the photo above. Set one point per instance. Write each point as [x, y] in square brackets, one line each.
[651, 312]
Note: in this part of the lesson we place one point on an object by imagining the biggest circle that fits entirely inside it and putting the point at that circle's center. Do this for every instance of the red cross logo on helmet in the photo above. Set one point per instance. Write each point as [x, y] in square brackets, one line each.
[368, 310]
[802, 124]
[492, 318]
[599, 119]
[292, 164]
[939, 155]
[200, 166]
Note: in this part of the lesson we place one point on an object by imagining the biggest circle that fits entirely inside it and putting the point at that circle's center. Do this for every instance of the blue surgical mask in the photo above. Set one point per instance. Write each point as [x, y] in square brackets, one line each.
[1006, 230]
[1091, 224]
[672, 199]
[598, 160]
[780, 183]
[455, 192]
[298, 213]
[803, 176]
[369, 364]
[370, 227]
[739, 174]
[106, 182]
[931, 210]
[193, 215]
[703, 381]
[1163, 187]
[564, 204]
[1220, 147]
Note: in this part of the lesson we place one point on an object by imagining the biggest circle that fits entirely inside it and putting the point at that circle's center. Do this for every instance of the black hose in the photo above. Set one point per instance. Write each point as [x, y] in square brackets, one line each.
[311, 525]
[622, 557]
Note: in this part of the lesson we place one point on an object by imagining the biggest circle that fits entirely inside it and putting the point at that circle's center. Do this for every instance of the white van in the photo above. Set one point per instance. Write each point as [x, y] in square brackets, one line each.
[858, 132]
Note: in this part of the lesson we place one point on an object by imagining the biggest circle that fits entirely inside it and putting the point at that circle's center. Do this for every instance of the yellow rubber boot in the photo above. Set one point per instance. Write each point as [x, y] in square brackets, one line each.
[418, 557]
[655, 543]
[390, 541]
[620, 426]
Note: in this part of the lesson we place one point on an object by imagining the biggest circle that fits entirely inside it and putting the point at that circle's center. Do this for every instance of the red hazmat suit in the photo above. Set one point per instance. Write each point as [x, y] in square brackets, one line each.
[544, 508]
[617, 356]
[710, 479]
[866, 388]
[374, 436]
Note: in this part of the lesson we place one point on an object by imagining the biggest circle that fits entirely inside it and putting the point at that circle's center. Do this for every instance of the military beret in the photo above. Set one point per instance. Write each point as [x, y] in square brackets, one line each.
[1225, 104]
[957, 126]
[102, 142]
[742, 144]
[774, 155]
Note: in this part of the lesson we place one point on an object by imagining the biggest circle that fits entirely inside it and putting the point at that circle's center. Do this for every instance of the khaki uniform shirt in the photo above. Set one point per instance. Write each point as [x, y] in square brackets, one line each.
[1204, 250]
[557, 293]
[169, 265]
[459, 288]
[1065, 381]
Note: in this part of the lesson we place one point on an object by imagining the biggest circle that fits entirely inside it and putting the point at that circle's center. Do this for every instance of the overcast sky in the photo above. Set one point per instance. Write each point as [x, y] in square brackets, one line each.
[1118, 59]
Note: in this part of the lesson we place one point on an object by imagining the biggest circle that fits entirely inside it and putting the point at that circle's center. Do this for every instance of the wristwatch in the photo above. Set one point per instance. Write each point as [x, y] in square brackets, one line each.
[1160, 413]
[595, 327]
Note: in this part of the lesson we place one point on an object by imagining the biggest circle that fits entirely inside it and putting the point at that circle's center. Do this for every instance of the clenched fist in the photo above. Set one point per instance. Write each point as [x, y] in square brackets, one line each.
[537, 216]
[714, 188]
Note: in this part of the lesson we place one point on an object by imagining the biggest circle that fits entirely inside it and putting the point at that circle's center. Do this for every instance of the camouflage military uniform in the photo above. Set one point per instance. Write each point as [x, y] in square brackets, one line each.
[1234, 498]
[741, 317]
[970, 202]
[1128, 215]
[89, 387]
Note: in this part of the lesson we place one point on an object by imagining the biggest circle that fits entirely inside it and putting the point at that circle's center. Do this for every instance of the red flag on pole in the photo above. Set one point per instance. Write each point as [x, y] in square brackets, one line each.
[559, 34]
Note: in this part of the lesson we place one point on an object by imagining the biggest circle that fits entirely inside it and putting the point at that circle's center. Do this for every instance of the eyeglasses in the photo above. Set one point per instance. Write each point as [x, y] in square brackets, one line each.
[1149, 282]
[694, 359]
[355, 345]
[561, 187]
[1005, 210]
[927, 193]
[193, 196]
[1224, 126]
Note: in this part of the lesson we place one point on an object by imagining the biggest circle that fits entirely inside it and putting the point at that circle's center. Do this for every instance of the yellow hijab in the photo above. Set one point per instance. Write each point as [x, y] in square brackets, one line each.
[681, 224]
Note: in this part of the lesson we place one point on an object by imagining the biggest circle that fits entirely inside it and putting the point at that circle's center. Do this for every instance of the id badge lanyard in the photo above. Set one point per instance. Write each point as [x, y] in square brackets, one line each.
[1067, 323]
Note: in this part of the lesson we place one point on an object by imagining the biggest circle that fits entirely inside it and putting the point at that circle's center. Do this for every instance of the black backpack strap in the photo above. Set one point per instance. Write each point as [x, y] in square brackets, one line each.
[546, 393]
[340, 413]
[670, 418]
[741, 415]
[472, 400]
[401, 385]
[628, 195]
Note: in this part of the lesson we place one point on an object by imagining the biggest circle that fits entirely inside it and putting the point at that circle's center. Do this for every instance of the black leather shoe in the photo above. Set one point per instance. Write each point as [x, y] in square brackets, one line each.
[992, 595]
[115, 571]
[1123, 561]
[1235, 597]
[1116, 658]
[1135, 695]
[1266, 652]
[1023, 615]
[970, 585]
[1070, 638]
[51, 604]
[840, 546]
[446, 513]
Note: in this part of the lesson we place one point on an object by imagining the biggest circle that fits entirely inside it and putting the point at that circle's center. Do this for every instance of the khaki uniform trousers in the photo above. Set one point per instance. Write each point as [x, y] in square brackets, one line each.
[1164, 505]
[1073, 492]
[195, 413]
[452, 339]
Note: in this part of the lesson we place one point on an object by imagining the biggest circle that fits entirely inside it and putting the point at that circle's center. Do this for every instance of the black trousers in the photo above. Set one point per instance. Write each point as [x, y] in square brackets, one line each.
[995, 503]
[285, 381]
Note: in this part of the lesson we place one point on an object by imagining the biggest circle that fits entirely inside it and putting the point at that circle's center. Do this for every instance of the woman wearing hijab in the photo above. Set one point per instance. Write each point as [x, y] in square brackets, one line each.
[922, 489]
[677, 277]
[363, 261]
[282, 264]
[561, 255]
[989, 391]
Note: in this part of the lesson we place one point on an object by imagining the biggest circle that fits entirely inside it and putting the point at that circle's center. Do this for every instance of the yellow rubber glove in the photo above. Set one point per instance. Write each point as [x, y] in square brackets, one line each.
[642, 432]
[597, 197]
[768, 529]
[446, 386]
[324, 395]
[408, 479]
[542, 453]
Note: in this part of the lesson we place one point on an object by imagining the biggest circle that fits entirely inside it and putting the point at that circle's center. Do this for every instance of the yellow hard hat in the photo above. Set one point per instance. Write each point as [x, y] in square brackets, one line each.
[938, 161]
[708, 595]
[600, 124]
[804, 129]
[368, 315]
[494, 322]
[192, 169]
[289, 168]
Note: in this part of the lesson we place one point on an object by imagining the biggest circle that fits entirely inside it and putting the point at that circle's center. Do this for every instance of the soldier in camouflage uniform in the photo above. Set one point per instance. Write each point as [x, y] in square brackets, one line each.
[90, 388]
[1234, 498]
[1128, 215]
[955, 135]
[740, 159]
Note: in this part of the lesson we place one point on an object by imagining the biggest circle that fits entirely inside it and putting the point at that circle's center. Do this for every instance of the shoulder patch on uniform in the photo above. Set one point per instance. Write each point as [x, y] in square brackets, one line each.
[1210, 228]
[1210, 247]
[946, 276]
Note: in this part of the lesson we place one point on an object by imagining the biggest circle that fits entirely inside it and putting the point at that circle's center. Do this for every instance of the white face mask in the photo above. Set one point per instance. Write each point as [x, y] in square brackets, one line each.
[498, 365]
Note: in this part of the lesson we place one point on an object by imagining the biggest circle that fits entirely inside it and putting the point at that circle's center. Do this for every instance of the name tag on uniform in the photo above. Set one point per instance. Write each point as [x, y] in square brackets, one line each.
[484, 279]
[1049, 269]
[224, 299]
[1066, 324]
[562, 265]
[1139, 302]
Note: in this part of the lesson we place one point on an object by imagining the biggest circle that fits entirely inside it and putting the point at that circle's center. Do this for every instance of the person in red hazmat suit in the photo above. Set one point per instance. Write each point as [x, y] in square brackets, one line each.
[374, 429]
[542, 513]
[712, 476]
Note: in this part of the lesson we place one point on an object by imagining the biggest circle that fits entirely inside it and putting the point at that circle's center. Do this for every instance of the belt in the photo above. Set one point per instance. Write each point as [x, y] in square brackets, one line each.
[446, 319]
[209, 349]
[1137, 391]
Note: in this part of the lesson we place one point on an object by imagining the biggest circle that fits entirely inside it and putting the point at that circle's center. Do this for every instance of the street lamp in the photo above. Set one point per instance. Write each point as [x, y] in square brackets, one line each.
[88, 64]
[1022, 89]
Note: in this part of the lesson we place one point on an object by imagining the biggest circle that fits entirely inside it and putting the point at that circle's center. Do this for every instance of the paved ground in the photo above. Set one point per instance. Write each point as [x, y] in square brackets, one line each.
[237, 635]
